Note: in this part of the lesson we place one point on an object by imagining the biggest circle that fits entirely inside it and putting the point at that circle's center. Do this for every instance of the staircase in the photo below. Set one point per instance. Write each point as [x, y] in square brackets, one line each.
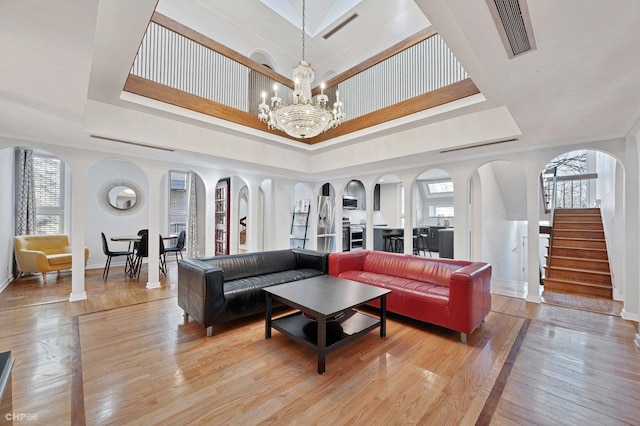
[577, 260]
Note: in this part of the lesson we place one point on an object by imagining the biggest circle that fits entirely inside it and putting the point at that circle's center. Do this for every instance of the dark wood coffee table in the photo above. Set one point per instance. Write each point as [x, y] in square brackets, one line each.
[326, 319]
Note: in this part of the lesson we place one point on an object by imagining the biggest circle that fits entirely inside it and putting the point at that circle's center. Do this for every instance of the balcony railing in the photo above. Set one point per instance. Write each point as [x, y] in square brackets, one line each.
[570, 192]
[175, 64]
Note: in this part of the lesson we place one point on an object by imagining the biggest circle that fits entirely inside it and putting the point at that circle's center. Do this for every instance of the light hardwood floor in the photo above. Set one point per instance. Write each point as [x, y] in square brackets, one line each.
[127, 356]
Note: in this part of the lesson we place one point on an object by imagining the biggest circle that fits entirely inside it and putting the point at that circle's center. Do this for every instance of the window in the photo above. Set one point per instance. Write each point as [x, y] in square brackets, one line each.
[178, 201]
[49, 188]
[178, 181]
[440, 211]
[440, 187]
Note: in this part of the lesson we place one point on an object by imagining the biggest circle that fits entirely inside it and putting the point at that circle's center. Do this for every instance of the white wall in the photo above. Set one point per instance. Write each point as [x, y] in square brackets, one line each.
[390, 203]
[423, 199]
[605, 191]
[7, 207]
[501, 245]
[110, 221]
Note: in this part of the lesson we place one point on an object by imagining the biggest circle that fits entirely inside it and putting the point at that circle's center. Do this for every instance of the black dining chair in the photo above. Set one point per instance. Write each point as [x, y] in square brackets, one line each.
[111, 254]
[143, 251]
[179, 246]
[140, 234]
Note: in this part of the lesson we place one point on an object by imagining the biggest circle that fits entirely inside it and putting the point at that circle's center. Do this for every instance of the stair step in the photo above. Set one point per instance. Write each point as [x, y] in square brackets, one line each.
[578, 242]
[579, 275]
[580, 252]
[568, 286]
[579, 233]
[583, 225]
[601, 265]
[579, 218]
[587, 210]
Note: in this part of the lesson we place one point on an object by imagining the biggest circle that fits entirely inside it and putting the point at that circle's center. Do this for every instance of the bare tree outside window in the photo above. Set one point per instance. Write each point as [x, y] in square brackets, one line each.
[570, 193]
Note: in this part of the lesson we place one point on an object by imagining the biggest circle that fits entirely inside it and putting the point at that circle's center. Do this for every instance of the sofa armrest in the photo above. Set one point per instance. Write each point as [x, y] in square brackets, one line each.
[201, 290]
[470, 296]
[346, 261]
[311, 259]
[32, 261]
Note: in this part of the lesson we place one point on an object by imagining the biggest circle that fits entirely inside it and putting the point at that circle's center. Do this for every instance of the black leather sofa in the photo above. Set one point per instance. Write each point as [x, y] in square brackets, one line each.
[223, 288]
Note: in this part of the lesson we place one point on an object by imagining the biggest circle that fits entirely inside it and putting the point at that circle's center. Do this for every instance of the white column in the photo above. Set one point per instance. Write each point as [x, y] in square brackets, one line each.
[339, 189]
[461, 249]
[155, 210]
[631, 291]
[408, 215]
[282, 210]
[254, 219]
[79, 175]
[533, 233]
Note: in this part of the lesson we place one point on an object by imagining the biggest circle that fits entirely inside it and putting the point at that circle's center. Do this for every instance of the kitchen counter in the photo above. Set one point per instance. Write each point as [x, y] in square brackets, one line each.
[433, 237]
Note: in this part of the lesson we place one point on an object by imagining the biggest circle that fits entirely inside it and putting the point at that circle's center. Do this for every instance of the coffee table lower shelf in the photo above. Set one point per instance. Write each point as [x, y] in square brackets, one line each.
[301, 329]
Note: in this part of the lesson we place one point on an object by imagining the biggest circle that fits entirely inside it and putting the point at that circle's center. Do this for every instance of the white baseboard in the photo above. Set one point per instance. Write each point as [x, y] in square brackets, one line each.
[75, 297]
[5, 284]
[617, 295]
[629, 316]
[533, 299]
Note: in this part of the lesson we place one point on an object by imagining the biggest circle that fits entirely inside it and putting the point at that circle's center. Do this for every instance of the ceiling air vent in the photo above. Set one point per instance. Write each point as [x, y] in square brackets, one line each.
[462, 148]
[340, 26]
[514, 25]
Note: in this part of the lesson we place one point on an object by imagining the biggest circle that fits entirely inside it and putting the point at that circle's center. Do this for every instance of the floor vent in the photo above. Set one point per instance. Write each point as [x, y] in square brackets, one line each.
[339, 27]
[514, 25]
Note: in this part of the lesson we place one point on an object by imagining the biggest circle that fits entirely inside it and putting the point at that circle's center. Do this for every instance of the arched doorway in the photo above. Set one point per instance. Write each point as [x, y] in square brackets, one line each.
[326, 228]
[434, 214]
[584, 199]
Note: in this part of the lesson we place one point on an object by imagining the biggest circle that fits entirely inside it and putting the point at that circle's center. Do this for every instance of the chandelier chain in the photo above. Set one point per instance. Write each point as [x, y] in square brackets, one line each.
[303, 7]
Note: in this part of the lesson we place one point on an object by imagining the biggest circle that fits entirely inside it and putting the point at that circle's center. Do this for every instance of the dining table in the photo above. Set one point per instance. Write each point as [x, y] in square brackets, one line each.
[134, 238]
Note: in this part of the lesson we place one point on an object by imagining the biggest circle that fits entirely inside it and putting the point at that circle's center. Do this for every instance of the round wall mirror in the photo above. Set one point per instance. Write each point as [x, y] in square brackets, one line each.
[122, 197]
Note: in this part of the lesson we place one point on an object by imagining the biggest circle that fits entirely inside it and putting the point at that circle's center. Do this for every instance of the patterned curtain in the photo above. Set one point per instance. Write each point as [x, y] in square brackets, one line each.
[193, 249]
[25, 194]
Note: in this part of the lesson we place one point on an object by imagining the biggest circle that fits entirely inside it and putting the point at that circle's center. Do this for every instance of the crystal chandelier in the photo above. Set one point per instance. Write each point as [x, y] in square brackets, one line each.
[302, 118]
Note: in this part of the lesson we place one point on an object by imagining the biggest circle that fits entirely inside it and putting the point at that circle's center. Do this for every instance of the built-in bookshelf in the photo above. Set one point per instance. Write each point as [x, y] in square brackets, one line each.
[222, 217]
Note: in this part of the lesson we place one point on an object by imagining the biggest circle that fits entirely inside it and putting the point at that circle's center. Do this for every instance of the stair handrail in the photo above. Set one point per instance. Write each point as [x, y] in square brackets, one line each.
[553, 196]
[551, 217]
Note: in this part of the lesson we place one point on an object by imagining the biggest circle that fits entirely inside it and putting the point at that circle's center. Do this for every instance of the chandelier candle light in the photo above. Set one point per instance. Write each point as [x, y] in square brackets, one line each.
[302, 118]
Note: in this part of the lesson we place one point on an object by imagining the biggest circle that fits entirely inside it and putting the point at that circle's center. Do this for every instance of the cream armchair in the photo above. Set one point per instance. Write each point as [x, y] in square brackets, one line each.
[44, 253]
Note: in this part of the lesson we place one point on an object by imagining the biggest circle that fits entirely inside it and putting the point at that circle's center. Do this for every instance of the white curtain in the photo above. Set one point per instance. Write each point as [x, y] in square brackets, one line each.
[25, 193]
[193, 249]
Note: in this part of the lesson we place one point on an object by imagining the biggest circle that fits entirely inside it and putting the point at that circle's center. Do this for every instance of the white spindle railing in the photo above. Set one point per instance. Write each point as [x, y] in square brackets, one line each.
[171, 59]
[422, 68]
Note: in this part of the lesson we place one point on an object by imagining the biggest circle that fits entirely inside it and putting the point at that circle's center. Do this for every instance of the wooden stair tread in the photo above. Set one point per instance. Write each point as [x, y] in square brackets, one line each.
[592, 210]
[578, 239]
[578, 258]
[573, 223]
[560, 280]
[578, 248]
[586, 271]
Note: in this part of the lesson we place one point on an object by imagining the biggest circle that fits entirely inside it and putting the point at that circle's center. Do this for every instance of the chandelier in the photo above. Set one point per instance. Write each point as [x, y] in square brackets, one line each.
[302, 118]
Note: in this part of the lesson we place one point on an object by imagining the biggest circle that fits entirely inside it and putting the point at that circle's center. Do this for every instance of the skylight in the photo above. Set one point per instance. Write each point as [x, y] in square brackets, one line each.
[440, 187]
[321, 14]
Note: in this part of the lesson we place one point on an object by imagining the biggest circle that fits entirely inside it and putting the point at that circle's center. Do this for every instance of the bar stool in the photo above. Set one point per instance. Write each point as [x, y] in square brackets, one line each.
[391, 241]
[398, 243]
[388, 243]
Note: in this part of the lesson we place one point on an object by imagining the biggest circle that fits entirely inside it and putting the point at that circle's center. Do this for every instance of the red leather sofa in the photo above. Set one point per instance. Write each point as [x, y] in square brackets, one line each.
[455, 294]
